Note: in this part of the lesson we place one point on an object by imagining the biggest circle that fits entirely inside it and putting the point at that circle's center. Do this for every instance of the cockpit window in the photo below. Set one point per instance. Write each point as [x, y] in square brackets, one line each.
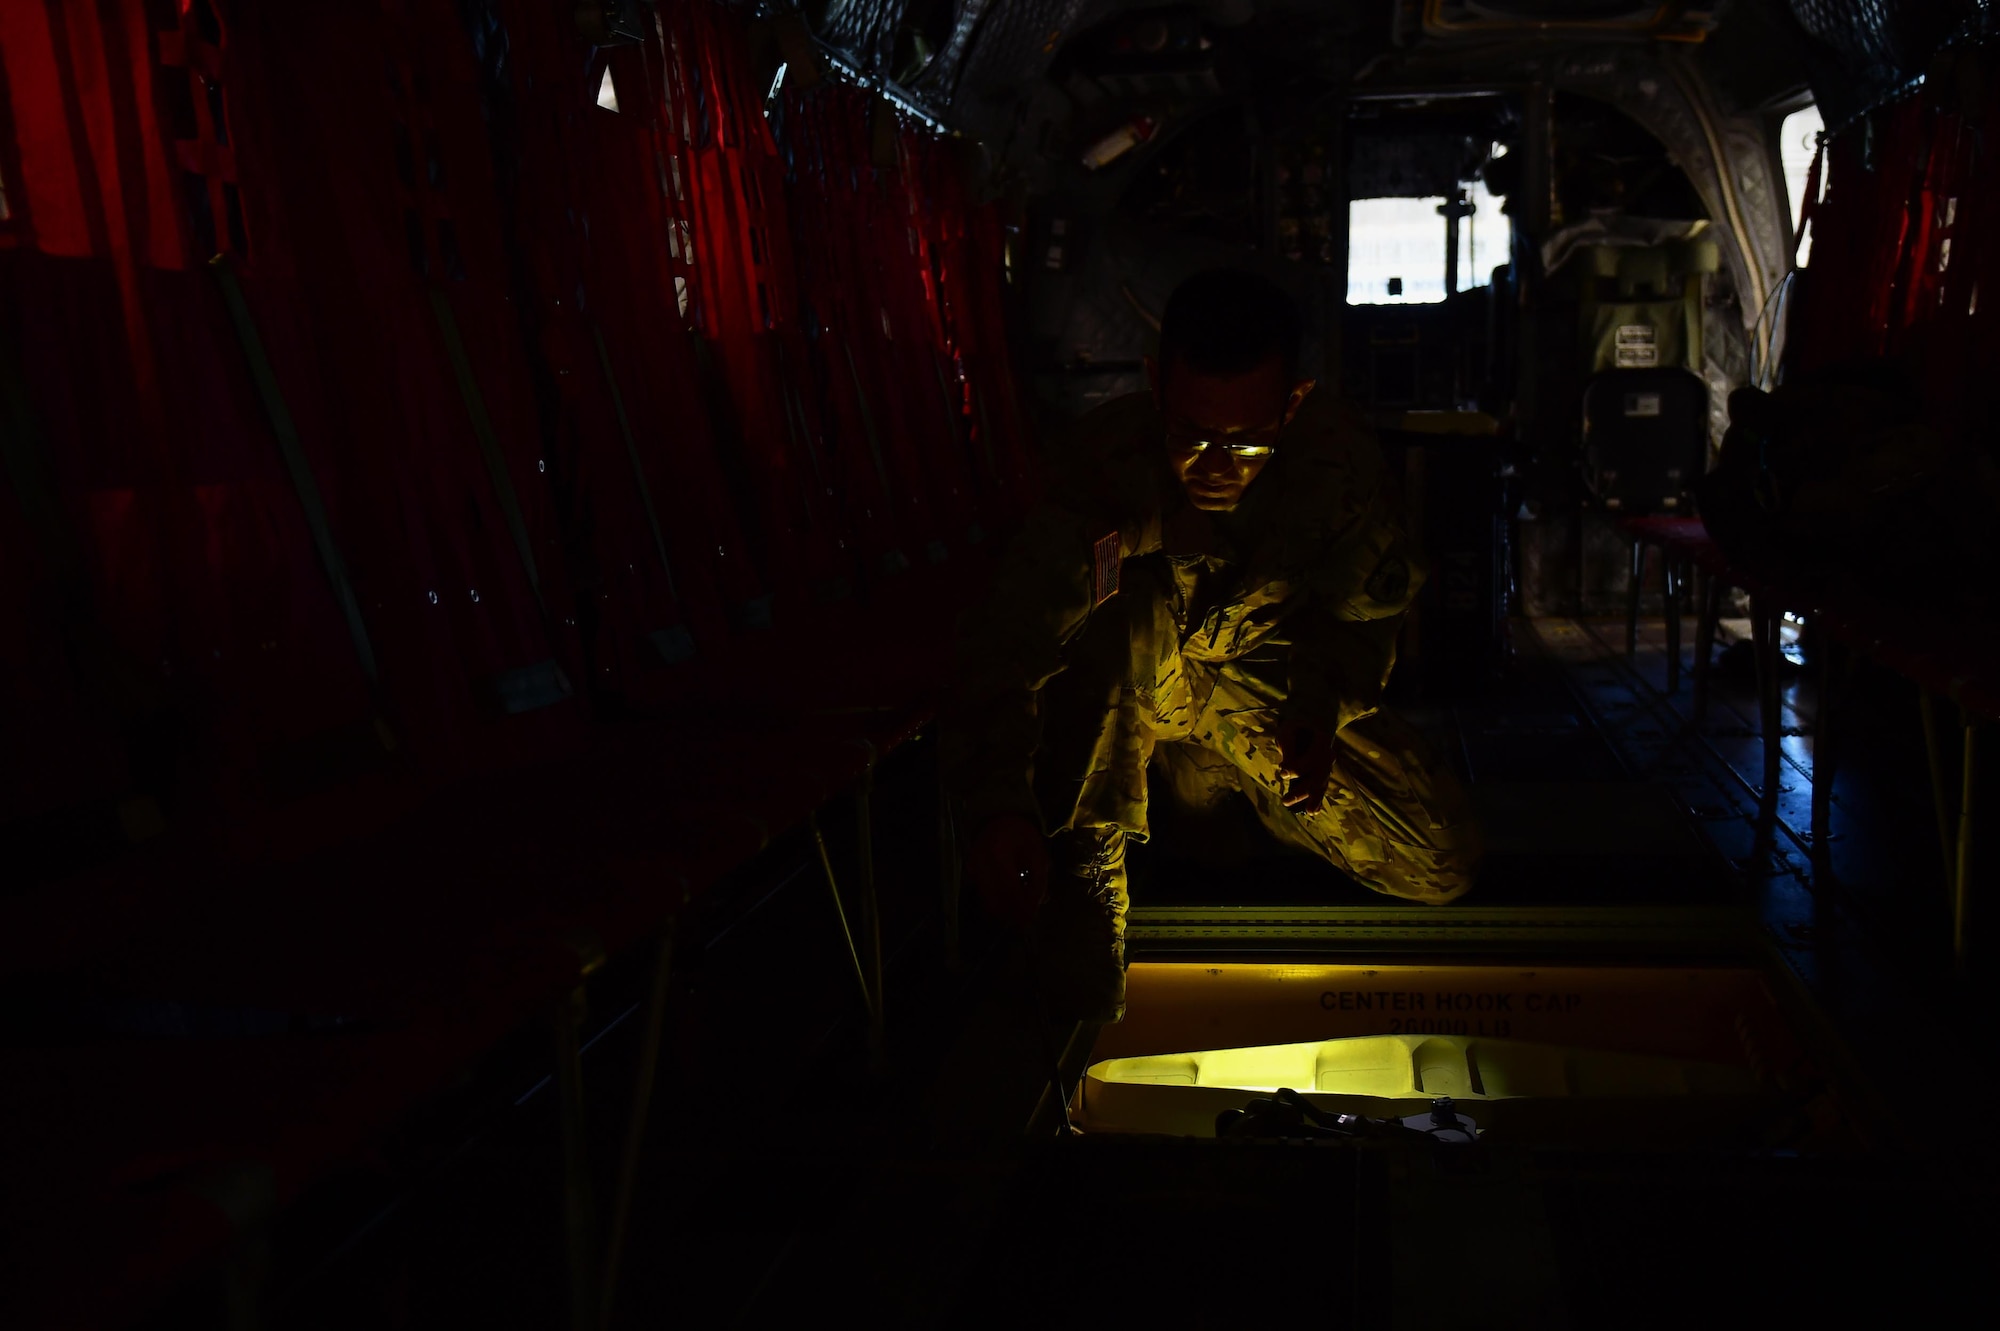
[1395, 252]
[1396, 248]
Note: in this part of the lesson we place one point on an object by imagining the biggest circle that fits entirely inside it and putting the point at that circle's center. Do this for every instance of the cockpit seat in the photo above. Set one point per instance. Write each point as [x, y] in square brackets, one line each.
[1645, 439]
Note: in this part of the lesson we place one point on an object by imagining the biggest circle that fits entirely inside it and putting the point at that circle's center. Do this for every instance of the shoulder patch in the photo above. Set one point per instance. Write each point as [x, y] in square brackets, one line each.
[1390, 581]
[1104, 570]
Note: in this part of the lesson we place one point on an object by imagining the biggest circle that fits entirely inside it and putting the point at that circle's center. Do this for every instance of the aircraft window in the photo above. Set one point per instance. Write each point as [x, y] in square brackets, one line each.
[1396, 247]
[1797, 141]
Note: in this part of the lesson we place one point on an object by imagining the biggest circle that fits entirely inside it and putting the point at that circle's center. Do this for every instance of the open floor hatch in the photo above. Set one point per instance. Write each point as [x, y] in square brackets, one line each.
[1550, 1055]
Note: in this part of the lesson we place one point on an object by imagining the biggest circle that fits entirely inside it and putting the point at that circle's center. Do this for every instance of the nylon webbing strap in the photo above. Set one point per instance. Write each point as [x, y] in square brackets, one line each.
[303, 483]
[632, 454]
[489, 443]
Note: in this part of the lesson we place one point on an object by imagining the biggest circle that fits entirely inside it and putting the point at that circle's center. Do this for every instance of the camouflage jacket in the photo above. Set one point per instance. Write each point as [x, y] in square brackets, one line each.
[1316, 580]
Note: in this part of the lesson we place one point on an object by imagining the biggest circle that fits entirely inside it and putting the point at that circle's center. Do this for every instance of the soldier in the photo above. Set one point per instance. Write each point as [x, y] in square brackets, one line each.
[1213, 586]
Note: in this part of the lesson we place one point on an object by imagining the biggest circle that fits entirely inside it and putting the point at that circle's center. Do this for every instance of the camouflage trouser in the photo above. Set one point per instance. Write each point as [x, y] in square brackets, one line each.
[1395, 818]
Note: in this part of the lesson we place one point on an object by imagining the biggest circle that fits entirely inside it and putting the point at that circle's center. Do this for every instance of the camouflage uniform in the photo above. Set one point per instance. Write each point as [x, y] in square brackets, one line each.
[1221, 627]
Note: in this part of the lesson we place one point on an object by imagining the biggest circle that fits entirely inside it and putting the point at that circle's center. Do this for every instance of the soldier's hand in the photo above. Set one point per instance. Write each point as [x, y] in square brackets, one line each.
[1009, 864]
[1306, 765]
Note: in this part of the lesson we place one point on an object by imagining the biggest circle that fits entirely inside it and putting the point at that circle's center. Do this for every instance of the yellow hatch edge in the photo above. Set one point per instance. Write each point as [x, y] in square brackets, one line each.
[1422, 1067]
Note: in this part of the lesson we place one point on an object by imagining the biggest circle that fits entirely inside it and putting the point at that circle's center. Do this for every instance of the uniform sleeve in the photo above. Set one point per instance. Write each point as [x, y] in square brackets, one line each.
[1344, 633]
[1009, 648]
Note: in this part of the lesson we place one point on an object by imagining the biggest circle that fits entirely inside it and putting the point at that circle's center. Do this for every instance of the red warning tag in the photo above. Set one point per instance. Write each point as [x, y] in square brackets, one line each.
[1104, 574]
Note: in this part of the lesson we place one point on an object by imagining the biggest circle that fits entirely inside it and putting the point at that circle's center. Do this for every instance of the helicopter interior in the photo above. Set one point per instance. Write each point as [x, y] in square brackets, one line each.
[490, 491]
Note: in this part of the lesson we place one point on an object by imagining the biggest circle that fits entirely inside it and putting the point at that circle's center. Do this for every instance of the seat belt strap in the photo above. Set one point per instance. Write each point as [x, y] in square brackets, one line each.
[303, 483]
[632, 455]
[489, 443]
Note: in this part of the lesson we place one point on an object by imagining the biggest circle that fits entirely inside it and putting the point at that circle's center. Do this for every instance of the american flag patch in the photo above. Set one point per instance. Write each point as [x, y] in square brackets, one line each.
[1104, 571]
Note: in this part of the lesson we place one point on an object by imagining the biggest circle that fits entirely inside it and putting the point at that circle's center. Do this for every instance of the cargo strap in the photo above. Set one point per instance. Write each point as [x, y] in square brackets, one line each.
[632, 455]
[489, 443]
[303, 483]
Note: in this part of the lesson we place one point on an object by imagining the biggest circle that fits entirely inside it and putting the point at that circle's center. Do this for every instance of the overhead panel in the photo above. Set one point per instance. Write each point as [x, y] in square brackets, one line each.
[1569, 18]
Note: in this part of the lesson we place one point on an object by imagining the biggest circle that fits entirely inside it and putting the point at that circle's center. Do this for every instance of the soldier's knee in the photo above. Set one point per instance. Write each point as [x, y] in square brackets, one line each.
[1451, 882]
[1458, 867]
[1455, 859]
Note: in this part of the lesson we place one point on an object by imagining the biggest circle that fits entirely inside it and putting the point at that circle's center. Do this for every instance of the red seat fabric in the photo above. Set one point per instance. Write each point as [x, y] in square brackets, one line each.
[465, 277]
[1685, 539]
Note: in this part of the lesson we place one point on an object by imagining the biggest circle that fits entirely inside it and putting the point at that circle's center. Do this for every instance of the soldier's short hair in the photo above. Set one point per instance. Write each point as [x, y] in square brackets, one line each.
[1227, 322]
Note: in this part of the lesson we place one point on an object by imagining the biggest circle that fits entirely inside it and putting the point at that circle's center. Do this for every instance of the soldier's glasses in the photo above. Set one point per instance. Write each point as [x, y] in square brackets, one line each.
[1236, 448]
[1246, 445]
